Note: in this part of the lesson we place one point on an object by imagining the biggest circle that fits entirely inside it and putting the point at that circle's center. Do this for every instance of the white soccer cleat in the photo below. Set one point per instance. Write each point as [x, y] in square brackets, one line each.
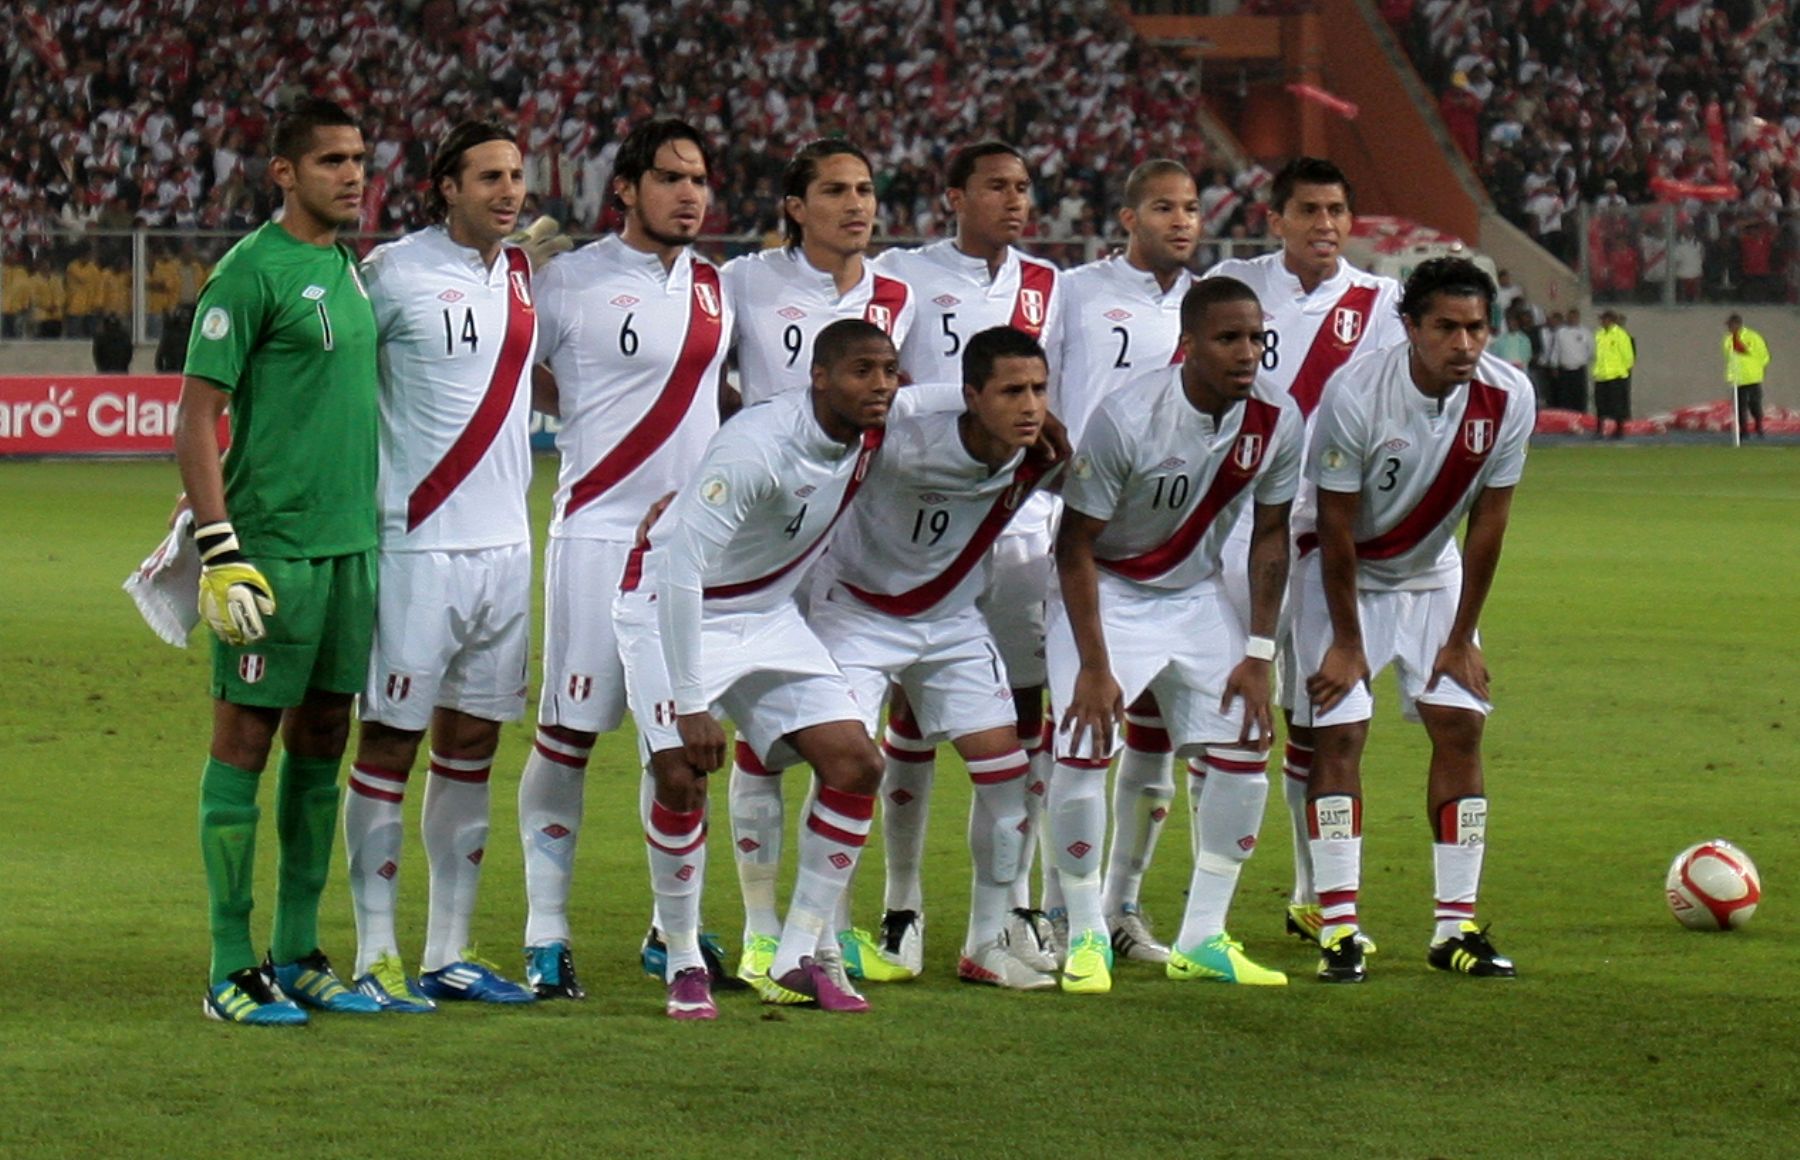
[903, 939]
[1029, 937]
[996, 964]
[1132, 937]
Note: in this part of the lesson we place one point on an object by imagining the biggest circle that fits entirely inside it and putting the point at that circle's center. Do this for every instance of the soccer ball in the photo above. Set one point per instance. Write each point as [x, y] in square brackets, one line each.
[1713, 886]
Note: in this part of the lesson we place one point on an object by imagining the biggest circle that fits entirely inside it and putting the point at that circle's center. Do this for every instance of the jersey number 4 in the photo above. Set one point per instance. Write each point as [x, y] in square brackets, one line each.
[468, 337]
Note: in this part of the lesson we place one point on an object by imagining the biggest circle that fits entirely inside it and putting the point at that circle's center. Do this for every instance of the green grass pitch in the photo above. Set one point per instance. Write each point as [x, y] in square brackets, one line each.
[1643, 638]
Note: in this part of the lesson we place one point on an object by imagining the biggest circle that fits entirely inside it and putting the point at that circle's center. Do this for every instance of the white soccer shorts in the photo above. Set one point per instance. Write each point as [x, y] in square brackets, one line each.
[584, 680]
[1019, 578]
[452, 630]
[949, 666]
[1180, 646]
[1403, 629]
[765, 671]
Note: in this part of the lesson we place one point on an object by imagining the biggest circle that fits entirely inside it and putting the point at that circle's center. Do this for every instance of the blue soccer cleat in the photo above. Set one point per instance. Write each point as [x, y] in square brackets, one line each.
[309, 980]
[387, 984]
[473, 979]
[550, 972]
[247, 997]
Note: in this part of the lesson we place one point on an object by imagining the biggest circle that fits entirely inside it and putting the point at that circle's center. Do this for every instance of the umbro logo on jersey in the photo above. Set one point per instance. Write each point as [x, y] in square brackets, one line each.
[1117, 315]
[1478, 435]
[1171, 463]
[1346, 324]
[451, 296]
[792, 313]
[624, 302]
[932, 497]
[313, 293]
[1396, 444]
[947, 300]
[803, 492]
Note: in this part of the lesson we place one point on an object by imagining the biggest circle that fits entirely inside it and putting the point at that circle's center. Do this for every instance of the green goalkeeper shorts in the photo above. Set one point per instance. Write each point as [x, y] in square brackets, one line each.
[318, 638]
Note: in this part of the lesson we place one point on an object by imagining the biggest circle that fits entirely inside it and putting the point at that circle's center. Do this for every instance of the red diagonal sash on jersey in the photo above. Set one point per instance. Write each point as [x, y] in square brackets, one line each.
[1241, 464]
[886, 301]
[1474, 443]
[496, 402]
[672, 402]
[871, 443]
[1332, 346]
[1031, 309]
[929, 593]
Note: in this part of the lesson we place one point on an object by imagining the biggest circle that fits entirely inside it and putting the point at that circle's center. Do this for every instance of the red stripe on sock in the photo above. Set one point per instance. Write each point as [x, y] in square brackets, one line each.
[1227, 765]
[746, 760]
[1086, 762]
[1146, 738]
[1000, 776]
[860, 806]
[467, 776]
[837, 834]
[1456, 910]
[1298, 755]
[559, 758]
[903, 725]
[369, 791]
[910, 756]
[399, 775]
[649, 836]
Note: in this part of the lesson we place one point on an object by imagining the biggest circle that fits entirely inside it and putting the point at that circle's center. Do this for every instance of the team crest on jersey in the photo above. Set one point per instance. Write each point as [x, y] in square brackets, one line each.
[1031, 302]
[251, 668]
[313, 293]
[581, 687]
[1014, 494]
[1346, 324]
[399, 686]
[1248, 452]
[708, 300]
[1117, 315]
[451, 296]
[881, 316]
[792, 313]
[625, 301]
[521, 287]
[1478, 436]
[947, 300]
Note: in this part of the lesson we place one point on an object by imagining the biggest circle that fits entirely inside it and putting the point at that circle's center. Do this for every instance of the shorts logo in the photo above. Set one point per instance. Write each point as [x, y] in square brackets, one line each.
[399, 686]
[1248, 452]
[881, 316]
[709, 301]
[1478, 436]
[581, 686]
[451, 296]
[947, 300]
[748, 845]
[1117, 315]
[1346, 325]
[521, 287]
[685, 873]
[714, 491]
[792, 313]
[313, 293]
[1031, 303]
[840, 861]
[1080, 850]
[251, 667]
[625, 301]
[216, 324]
[1247, 842]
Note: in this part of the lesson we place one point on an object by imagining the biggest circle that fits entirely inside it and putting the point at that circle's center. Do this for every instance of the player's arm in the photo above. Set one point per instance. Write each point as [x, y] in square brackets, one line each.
[197, 453]
[1098, 704]
[234, 594]
[1250, 679]
[1344, 666]
[1460, 659]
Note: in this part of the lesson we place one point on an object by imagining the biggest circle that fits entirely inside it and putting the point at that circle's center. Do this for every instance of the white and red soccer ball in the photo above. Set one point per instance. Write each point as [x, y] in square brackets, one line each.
[1713, 886]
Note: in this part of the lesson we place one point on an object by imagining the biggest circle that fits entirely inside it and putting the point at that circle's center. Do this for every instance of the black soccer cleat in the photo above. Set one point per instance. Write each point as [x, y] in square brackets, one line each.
[1341, 958]
[1470, 953]
[550, 972]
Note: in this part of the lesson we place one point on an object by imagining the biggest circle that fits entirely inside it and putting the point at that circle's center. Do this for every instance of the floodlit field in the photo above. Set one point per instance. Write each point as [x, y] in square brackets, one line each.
[1643, 638]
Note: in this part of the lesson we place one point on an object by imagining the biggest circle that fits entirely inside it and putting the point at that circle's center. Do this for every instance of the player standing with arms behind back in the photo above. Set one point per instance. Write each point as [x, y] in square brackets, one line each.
[286, 529]
[1407, 441]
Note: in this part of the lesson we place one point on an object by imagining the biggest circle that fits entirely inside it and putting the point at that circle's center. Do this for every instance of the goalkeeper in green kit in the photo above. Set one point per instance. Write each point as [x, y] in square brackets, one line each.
[285, 525]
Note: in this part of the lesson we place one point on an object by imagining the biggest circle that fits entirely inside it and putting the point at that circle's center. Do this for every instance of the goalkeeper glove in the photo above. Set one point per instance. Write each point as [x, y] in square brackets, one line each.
[234, 596]
[542, 240]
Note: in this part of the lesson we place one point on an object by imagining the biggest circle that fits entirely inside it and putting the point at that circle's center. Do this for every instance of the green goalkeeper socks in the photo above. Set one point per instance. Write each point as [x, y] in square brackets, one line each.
[306, 810]
[228, 817]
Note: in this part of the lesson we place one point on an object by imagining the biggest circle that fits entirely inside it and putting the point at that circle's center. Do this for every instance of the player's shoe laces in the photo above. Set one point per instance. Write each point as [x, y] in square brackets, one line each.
[1470, 953]
[385, 982]
[475, 979]
[1132, 938]
[550, 972]
[690, 995]
[863, 958]
[1088, 970]
[1341, 956]
[903, 940]
[759, 952]
[1305, 920]
[1058, 918]
[248, 997]
[1221, 959]
[309, 980]
[995, 963]
[1030, 938]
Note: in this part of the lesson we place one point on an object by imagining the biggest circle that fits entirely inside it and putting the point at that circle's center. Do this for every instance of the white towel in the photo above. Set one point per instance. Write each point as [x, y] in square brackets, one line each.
[166, 586]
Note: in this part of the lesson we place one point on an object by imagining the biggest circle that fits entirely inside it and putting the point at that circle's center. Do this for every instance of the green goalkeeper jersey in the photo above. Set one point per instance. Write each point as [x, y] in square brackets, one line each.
[286, 328]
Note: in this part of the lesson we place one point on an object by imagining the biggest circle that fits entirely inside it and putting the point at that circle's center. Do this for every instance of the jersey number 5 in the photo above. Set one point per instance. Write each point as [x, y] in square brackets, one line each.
[469, 337]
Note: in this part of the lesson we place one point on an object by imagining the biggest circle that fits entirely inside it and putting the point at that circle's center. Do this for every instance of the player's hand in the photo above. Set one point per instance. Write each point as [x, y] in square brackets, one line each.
[1343, 669]
[1052, 444]
[702, 741]
[1250, 680]
[1463, 664]
[1096, 710]
[642, 538]
[542, 240]
[234, 596]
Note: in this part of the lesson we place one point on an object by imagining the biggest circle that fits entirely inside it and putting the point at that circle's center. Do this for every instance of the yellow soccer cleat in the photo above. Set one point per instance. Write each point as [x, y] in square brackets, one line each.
[1088, 970]
[1221, 959]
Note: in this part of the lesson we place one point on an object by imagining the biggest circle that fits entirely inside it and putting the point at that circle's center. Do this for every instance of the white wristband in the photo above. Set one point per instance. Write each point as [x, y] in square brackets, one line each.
[1260, 648]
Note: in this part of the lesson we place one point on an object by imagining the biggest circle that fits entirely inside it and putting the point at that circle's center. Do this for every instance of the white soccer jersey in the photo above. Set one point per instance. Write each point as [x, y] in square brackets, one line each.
[782, 302]
[637, 352]
[1117, 325]
[958, 299]
[1171, 483]
[1418, 463]
[916, 542]
[457, 344]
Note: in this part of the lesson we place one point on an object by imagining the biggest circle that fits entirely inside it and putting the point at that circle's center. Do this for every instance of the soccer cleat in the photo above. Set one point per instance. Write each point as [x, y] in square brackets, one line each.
[1305, 920]
[311, 981]
[248, 997]
[474, 979]
[793, 989]
[1470, 953]
[1341, 957]
[712, 953]
[996, 963]
[863, 958]
[653, 954]
[1030, 938]
[1088, 970]
[841, 994]
[690, 995]
[550, 972]
[759, 952]
[1058, 918]
[903, 940]
[1132, 938]
[1221, 959]
[387, 984]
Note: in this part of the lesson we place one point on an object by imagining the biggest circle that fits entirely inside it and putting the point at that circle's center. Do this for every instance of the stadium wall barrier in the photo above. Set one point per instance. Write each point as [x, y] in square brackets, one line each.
[90, 415]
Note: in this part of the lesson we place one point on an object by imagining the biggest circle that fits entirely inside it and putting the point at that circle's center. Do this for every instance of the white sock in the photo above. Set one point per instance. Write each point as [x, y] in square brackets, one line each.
[676, 841]
[756, 821]
[456, 830]
[1456, 861]
[1296, 767]
[550, 806]
[1142, 791]
[999, 784]
[910, 765]
[1232, 795]
[990, 897]
[373, 834]
[831, 841]
[1037, 795]
[1077, 827]
[1334, 822]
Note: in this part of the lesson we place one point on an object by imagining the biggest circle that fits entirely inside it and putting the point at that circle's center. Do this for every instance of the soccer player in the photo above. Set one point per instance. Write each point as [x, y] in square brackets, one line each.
[1406, 442]
[708, 625]
[1162, 472]
[633, 338]
[977, 280]
[783, 298]
[1122, 319]
[1318, 311]
[458, 329]
[895, 601]
[286, 531]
